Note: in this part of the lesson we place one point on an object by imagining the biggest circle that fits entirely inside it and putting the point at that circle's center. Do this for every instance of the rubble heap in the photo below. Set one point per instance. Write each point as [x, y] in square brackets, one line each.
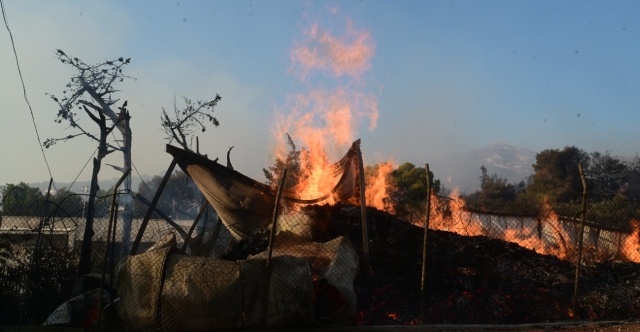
[469, 279]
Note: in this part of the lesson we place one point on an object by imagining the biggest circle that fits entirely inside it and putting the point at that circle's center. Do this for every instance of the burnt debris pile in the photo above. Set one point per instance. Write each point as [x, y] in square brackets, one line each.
[482, 280]
[470, 279]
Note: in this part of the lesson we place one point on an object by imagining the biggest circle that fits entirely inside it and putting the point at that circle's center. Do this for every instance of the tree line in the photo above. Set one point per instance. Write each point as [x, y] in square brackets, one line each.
[556, 179]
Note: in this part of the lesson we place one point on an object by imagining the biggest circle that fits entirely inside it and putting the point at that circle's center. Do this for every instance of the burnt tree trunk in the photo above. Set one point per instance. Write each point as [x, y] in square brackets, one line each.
[84, 266]
[126, 200]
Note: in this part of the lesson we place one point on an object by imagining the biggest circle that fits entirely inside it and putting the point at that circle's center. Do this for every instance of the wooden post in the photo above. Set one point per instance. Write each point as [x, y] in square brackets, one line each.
[152, 207]
[423, 291]
[272, 236]
[580, 238]
[363, 215]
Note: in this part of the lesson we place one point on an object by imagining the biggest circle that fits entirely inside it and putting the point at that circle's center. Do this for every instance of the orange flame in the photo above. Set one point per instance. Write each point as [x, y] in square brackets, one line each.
[324, 122]
[631, 244]
[349, 54]
[376, 189]
[453, 216]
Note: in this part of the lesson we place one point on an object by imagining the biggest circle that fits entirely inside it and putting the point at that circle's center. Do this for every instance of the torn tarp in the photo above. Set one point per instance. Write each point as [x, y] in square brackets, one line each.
[244, 204]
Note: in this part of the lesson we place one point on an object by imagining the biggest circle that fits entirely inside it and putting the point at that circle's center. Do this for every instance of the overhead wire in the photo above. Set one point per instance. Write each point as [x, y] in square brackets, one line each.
[24, 89]
[83, 167]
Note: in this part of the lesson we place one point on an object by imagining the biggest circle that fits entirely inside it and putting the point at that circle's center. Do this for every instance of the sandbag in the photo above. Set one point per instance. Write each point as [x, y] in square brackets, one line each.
[163, 289]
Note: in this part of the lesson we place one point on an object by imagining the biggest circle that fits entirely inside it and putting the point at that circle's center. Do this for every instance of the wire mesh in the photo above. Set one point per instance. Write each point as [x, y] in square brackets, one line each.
[498, 265]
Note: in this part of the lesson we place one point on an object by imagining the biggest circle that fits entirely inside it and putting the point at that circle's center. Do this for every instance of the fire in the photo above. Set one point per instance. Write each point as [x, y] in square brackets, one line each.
[631, 244]
[561, 237]
[454, 217]
[324, 121]
[527, 236]
[376, 189]
[349, 54]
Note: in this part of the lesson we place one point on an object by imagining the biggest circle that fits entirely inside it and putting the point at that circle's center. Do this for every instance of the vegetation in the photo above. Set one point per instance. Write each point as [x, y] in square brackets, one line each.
[293, 164]
[180, 126]
[91, 89]
[408, 189]
[180, 199]
[24, 200]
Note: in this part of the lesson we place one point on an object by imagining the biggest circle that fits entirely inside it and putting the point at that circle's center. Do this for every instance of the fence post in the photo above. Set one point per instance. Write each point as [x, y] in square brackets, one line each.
[580, 238]
[272, 236]
[423, 291]
[363, 215]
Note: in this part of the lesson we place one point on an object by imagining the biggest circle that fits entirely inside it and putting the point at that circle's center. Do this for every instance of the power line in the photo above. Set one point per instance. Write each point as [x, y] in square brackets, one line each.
[24, 89]
[83, 167]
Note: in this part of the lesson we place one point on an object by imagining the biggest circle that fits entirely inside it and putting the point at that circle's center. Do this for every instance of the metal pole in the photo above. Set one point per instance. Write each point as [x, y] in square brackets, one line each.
[272, 236]
[162, 215]
[580, 238]
[363, 215]
[423, 291]
[203, 208]
[152, 206]
[113, 251]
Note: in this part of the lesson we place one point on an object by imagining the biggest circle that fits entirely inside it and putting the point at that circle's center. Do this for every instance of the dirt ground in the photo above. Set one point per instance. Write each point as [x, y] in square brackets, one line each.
[626, 326]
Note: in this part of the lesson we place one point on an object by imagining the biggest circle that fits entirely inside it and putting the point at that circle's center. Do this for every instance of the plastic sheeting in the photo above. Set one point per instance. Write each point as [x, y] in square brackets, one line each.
[245, 205]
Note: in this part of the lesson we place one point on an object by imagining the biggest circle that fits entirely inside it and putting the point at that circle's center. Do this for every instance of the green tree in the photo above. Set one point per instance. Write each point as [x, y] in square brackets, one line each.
[495, 192]
[556, 174]
[67, 204]
[408, 189]
[21, 200]
[293, 164]
[606, 174]
[180, 199]
[631, 186]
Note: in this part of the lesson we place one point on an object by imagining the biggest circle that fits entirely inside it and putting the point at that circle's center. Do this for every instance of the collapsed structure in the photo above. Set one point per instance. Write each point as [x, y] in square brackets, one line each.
[310, 283]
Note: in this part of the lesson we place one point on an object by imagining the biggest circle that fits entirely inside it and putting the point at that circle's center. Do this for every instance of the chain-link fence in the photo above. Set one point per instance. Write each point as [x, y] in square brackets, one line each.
[506, 264]
[40, 244]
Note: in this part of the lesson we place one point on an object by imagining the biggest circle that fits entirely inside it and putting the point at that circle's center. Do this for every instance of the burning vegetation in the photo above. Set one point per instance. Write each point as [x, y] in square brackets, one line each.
[503, 255]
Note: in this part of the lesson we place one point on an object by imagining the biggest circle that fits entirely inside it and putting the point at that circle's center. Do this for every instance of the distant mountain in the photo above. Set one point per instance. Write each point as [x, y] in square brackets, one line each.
[462, 170]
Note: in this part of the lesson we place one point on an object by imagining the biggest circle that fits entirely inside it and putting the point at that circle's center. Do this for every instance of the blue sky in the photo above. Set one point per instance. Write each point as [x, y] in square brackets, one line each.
[448, 76]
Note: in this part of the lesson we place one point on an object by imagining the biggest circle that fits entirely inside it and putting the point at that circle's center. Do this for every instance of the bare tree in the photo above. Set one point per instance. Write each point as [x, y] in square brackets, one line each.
[91, 90]
[180, 128]
[192, 117]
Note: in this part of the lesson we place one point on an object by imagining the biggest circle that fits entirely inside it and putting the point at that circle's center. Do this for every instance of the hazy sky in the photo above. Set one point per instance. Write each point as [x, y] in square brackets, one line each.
[442, 76]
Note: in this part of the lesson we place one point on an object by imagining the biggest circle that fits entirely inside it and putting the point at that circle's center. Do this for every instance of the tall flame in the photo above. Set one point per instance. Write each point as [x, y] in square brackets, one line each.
[323, 121]
[376, 187]
[349, 54]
